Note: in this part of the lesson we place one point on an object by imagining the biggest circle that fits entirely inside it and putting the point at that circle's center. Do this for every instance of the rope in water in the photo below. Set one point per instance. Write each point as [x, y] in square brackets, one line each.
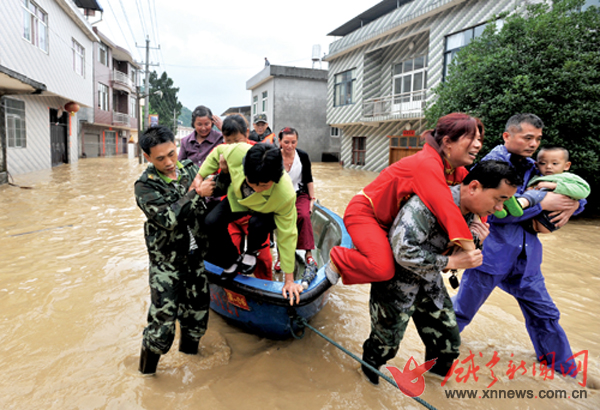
[302, 323]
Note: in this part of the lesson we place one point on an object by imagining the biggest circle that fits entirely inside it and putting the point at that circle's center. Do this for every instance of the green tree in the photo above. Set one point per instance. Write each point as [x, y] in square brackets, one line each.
[545, 61]
[185, 117]
[166, 106]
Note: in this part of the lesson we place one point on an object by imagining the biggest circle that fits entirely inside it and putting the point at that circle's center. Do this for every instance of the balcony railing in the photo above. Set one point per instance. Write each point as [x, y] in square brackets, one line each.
[120, 118]
[405, 105]
[122, 78]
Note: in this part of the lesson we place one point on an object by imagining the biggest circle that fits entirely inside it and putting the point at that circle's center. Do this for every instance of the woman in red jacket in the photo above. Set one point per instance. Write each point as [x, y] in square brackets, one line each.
[453, 144]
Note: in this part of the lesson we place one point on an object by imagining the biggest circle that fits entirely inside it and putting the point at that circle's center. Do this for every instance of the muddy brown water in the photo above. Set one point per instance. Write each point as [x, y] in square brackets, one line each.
[74, 297]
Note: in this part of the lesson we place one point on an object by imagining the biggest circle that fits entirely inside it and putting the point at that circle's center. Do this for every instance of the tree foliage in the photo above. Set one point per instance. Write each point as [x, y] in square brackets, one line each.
[545, 61]
[185, 117]
[167, 104]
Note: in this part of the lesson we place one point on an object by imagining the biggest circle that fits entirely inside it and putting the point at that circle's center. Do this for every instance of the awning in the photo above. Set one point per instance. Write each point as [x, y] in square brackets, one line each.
[88, 4]
[12, 82]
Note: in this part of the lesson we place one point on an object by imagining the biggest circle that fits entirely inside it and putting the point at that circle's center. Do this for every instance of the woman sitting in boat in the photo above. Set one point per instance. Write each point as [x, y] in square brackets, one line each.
[453, 144]
[297, 164]
[258, 187]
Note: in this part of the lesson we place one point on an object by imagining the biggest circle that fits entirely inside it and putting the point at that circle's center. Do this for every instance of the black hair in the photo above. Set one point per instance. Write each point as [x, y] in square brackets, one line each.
[263, 163]
[490, 174]
[514, 122]
[234, 124]
[154, 136]
[554, 148]
[288, 131]
[201, 111]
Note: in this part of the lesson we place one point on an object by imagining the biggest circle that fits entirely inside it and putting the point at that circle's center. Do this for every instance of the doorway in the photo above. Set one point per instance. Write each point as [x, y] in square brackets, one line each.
[59, 137]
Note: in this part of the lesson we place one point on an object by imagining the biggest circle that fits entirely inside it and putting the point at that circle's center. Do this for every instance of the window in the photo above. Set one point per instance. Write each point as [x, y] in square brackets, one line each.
[264, 101]
[132, 107]
[334, 132]
[410, 80]
[406, 142]
[359, 148]
[35, 25]
[133, 76]
[344, 88]
[461, 39]
[78, 58]
[102, 97]
[15, 123]
[254, 104]
[103, 54]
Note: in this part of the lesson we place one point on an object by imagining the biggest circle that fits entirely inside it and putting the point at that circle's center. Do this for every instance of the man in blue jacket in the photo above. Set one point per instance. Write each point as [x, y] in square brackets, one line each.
[512, 253]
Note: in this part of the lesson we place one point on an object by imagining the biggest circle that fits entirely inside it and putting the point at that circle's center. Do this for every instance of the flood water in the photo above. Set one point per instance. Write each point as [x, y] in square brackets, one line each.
[74, 296]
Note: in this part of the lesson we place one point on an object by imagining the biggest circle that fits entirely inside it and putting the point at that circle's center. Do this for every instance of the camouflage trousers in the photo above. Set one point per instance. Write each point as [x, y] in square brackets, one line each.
[179, 292]
[437, 327]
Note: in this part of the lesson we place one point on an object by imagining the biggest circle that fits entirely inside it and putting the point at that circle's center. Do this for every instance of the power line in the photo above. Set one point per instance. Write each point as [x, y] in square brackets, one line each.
[120, 26]
[158, 32]
[152, 26]
[141, 18]
[128, 24]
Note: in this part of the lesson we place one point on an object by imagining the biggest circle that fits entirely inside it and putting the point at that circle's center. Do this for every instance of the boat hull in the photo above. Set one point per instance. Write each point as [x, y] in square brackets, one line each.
[258, 306]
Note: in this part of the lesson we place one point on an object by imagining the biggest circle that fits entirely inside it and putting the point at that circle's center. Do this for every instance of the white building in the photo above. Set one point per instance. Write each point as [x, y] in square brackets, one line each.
[50, 43]
[382, 70]
[295, 97]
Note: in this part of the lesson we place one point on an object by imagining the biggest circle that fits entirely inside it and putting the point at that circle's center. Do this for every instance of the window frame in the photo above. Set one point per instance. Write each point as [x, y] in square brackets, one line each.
[13, 114]
[265, 100]
[78, 56]
[132, 106]
[475, 31]
[103, 50]
[359, 151]
[335, 132]
[35, 25]
[344, 85]
[103, 103]
[254, 104]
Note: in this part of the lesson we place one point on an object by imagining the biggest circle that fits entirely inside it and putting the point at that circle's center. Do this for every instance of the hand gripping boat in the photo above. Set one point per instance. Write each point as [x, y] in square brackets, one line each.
[257, 305]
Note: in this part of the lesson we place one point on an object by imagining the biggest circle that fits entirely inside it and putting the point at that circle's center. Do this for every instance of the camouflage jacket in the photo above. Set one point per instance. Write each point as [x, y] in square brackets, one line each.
[170, 209]
[418, 243]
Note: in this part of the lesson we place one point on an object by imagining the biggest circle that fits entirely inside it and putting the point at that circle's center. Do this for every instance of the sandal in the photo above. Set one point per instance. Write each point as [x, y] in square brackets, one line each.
[277, 266]
[311, 261]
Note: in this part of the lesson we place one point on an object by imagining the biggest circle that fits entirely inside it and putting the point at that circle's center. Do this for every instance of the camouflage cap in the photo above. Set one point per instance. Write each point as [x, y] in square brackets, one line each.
[260, 118]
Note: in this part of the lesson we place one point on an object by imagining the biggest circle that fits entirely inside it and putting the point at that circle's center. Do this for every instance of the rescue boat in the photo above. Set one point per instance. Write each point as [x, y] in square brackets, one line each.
[258, 306]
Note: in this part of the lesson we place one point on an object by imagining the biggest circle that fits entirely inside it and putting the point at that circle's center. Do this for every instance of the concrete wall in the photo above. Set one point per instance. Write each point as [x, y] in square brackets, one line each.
[301, 104]
[53, 68]
[37, 153]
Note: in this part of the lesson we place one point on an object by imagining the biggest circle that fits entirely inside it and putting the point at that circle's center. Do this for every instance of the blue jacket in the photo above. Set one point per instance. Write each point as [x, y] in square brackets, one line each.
[507, 238]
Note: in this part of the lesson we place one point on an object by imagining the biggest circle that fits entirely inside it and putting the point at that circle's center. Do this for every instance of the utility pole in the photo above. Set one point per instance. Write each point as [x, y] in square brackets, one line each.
[175, 120]
[146, 92]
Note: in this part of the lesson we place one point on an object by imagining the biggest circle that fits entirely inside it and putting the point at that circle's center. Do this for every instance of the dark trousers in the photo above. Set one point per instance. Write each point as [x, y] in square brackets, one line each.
[222, 251]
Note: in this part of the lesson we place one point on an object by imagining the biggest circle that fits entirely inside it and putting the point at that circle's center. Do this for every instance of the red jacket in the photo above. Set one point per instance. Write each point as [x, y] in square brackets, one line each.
[421, 174]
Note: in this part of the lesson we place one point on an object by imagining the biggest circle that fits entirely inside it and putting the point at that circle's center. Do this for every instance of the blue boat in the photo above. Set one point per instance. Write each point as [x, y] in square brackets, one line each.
[257, 305]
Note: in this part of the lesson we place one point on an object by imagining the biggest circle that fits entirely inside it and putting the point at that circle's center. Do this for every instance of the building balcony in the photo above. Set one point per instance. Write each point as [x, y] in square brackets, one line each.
[124, 119]
[122, 79]
[397, 106]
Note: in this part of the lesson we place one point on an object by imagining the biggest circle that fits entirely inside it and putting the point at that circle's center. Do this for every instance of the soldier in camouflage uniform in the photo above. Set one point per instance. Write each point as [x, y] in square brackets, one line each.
[417, 290]
[176, 248]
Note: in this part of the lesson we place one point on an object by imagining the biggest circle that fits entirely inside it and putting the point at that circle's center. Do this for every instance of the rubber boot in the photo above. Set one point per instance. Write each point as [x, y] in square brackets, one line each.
[375, 361]
[442, 365]
[148, 361]
[188, 345]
